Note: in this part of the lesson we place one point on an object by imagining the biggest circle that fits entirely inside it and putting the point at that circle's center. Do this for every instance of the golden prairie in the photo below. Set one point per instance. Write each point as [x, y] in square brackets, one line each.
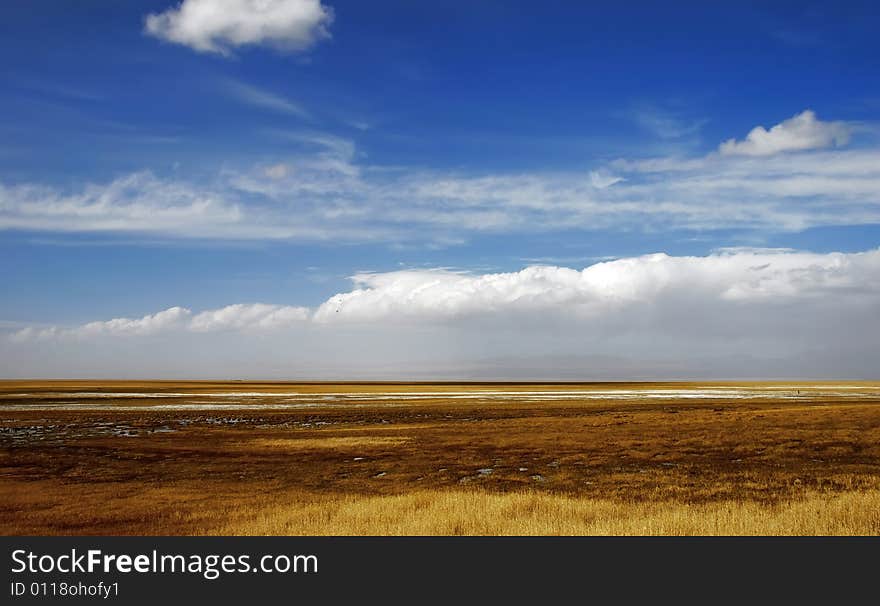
[317, 458]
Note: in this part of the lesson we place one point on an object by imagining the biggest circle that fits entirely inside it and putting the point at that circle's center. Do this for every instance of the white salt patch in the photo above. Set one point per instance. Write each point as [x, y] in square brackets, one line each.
[250, 400]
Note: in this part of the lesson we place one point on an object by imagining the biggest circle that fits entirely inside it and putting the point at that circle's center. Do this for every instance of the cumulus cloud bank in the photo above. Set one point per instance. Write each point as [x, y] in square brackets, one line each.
[731, 278]
[258, 316]
[217, 26]
[241, 316]
[800, 132]
[738, 312]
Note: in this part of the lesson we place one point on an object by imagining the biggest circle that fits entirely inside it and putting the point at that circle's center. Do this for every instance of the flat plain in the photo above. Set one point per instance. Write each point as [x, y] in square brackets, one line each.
[112, 457]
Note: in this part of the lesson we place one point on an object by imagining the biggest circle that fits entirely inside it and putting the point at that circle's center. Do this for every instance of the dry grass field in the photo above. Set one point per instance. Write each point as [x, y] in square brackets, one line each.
[285, 458]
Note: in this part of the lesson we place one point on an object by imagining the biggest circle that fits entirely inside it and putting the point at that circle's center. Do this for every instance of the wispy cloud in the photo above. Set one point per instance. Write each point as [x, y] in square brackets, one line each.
[796, 38]
[665, 123]
[324, 192]
[56, 90]
[262, 98]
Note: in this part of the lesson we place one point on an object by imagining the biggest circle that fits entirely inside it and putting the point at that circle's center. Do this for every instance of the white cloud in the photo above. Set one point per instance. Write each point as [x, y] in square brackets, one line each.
[600, 179]
[240, 317]
[735, 313]
[248, 316]
[327, 192]
[664, 123]
[217, 26]
[258, 97]
[277, 171]
[801, 132]
[135, 202]
[604, 289]
[147, 325]
[173, 317]
[731, 276]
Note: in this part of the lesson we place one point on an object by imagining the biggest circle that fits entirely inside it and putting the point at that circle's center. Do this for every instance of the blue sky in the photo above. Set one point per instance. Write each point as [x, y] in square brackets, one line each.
[205, 161]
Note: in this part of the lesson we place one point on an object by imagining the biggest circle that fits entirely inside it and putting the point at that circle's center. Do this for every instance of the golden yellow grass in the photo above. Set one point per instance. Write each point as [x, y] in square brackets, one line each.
[204, 508]
[334, 443]
[808, 465]
[470, 513]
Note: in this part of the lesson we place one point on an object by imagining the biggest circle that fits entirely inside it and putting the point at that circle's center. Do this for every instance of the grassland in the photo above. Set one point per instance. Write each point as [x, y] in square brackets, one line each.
[244, 458]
